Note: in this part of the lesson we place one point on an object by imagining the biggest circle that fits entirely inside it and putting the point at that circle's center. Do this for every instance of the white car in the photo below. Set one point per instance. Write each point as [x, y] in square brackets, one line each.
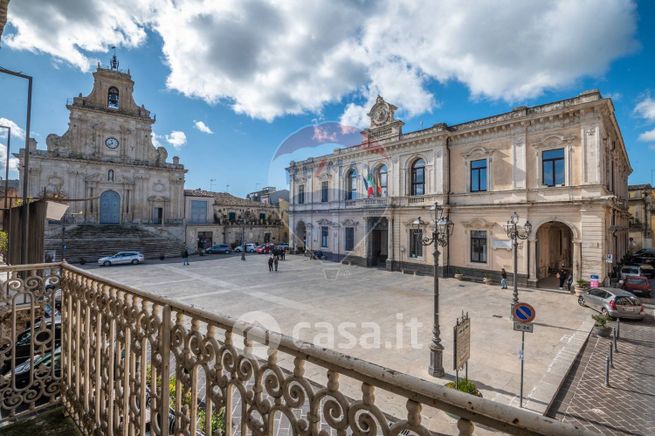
[250, 248]
[122, 257]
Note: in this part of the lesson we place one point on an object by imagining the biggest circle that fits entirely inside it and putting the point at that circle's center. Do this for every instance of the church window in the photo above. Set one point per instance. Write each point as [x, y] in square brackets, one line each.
[112, 98]
[110, 175]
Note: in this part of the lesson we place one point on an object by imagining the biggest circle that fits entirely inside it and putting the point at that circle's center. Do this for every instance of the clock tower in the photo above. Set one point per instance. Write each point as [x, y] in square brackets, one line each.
[106, 160]
[383, 123]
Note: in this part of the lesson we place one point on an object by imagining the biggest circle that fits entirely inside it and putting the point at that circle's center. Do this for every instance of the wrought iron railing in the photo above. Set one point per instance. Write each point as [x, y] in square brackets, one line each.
[133, 362]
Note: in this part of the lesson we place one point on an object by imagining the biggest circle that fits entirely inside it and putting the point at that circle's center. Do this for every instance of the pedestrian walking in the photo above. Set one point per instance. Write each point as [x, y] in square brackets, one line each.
[275, 263]
[569, 281]
[283, 253]
[185, 257]
[270, 263]
[503, 279]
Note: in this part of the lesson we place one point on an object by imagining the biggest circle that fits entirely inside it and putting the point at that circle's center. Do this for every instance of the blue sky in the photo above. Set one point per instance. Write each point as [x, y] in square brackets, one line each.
[256, 72]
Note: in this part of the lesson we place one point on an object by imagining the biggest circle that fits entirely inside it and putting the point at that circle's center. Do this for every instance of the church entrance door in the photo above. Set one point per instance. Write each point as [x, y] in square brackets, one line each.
[110, 208]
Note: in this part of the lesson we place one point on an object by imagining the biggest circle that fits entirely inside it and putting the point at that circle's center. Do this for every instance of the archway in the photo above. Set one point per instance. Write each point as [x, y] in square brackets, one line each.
[110, 208]
[554, 251]
[300, 236]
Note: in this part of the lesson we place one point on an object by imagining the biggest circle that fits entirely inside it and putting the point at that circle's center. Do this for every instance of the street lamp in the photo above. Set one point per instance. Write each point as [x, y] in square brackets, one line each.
[441, 231]
[516, 232]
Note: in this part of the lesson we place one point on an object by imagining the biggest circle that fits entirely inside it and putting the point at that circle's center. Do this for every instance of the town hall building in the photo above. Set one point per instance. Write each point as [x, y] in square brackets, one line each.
[563, 166]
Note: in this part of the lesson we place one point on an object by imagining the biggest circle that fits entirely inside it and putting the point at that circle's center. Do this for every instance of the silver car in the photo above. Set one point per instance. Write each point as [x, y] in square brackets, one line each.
[121, 258]
[614, 302]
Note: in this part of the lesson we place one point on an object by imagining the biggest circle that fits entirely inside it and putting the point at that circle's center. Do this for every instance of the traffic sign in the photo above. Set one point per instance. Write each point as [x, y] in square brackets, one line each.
[521, 327]
[523, 313]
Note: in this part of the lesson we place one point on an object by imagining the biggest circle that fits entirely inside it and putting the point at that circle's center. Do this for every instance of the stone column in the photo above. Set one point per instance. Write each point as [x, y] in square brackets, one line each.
[577, 260]
[532, 263]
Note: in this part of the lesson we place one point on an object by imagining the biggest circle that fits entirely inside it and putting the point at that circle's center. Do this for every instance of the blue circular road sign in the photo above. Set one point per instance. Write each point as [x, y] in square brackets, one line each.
[523, 312]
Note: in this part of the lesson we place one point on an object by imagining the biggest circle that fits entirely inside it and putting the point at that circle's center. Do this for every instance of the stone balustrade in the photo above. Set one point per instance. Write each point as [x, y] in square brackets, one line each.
[133, 362]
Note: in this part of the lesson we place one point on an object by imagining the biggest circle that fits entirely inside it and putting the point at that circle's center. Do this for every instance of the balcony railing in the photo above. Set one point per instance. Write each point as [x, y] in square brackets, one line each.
[133, 362]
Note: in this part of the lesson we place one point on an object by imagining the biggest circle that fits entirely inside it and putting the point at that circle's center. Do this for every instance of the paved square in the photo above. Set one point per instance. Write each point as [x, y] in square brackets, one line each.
[318, 292]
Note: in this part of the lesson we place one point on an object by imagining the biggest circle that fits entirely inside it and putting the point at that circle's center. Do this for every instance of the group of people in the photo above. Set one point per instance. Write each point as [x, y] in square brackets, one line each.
[563, 275]
[277, 254]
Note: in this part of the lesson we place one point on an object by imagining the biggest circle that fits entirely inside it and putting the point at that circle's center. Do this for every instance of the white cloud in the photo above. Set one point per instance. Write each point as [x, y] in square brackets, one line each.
[647, 136]
[267, 59]
[204, 128]
[176, 138]
[646, 108]
[16, 133]
[16, 130]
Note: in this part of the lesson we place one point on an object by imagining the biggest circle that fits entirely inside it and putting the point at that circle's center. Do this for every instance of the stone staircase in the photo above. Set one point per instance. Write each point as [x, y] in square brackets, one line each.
[92, 241]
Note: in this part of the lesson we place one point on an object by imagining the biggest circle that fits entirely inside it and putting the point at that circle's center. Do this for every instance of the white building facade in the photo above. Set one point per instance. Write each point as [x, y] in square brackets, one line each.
[562, 166]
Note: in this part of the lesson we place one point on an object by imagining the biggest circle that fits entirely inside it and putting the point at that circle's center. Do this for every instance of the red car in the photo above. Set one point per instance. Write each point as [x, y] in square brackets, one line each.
[263, 249]
[637, 285]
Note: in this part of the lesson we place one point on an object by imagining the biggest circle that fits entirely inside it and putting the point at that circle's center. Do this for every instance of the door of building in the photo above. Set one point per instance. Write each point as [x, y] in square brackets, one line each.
[157, 215]
[110, 208]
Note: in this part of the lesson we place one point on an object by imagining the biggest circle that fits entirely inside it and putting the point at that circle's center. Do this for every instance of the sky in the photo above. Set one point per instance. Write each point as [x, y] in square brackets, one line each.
[234, 83]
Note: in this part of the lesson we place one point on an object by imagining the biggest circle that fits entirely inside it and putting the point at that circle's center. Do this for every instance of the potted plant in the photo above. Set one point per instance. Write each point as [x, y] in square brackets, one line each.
[458, 274]
[580, 287]
[600, 325]
[465, 385]
[486, 279]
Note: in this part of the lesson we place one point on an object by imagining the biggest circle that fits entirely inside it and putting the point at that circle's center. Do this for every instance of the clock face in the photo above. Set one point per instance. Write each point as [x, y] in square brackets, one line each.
[380, 115]
[111, 143]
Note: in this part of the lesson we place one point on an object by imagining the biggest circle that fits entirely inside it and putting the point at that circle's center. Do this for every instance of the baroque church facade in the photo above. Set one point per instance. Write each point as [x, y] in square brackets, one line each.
[562, 165]
[105, 165]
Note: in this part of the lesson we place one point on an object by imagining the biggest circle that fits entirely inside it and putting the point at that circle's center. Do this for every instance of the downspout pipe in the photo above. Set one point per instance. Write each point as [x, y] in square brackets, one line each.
[447, 272]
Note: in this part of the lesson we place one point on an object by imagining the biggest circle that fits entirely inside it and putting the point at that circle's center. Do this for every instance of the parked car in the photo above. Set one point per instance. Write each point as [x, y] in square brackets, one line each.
[648, 252]
[613, 302]
[631, 270]
[121, 258]
[250, 248]
[24, 340]
[263, 249]
[219, 249]
[283, 246]
[637, 285]
[23, 376]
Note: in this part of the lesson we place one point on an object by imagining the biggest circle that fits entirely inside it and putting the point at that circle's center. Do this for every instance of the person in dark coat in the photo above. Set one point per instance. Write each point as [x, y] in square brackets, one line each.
[275, 262]
[569, 281]
[561, 275]
[270, 263]
[185, 257]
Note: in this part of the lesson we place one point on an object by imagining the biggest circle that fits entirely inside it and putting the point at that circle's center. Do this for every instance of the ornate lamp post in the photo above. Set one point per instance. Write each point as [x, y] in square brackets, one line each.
[516, 232]
[441, 232]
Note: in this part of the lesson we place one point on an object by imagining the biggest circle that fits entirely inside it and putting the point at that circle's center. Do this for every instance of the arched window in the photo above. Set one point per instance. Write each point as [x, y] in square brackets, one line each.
[351, 185]
[381, 181]
[112, 98]
[417, 181]
[110, 175]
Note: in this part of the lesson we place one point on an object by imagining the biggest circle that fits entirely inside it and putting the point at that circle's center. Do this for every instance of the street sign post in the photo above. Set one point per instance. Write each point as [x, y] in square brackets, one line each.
[462, 346]
[523, 315]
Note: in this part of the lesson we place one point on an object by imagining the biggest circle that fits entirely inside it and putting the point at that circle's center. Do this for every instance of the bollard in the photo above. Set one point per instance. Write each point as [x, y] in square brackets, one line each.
[607, 371]
[618, 328]
[614, 339]
[610, 356]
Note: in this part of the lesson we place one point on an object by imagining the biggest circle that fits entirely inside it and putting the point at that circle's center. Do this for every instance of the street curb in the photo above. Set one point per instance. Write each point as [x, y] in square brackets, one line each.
[543, 395]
